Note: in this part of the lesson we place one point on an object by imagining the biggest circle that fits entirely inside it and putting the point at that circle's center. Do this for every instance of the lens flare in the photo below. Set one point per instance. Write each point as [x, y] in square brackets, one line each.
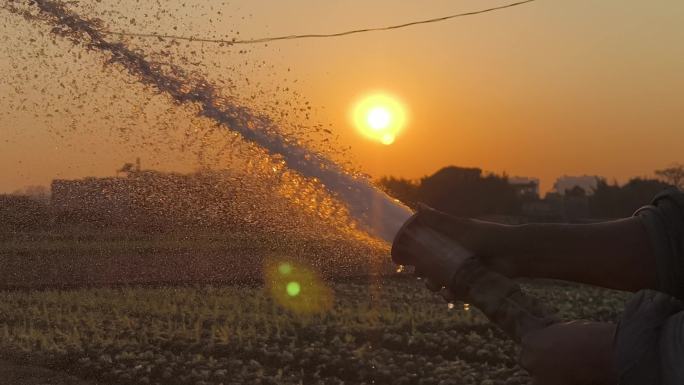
[387, 139]
[379, 117]
[293, 288]
[296, 287]
[285, 268]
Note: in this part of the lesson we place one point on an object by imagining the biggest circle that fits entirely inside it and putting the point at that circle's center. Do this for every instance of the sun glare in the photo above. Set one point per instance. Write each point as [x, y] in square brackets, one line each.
[379, 117]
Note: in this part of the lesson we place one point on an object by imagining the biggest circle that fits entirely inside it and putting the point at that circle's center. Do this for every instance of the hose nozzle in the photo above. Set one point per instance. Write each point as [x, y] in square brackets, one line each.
[498, 297]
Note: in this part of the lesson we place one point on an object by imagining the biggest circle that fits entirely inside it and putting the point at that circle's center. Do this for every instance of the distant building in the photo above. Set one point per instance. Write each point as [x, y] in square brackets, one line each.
[153, 201]
[149, 199]
[546, 210]
[573, 206]
[527, 188]
[587, 182]
[106, 200]
[22, 213]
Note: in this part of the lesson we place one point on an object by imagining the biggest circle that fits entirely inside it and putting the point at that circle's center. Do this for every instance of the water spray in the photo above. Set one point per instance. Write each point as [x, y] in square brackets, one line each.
[371, 209]
[374, 212]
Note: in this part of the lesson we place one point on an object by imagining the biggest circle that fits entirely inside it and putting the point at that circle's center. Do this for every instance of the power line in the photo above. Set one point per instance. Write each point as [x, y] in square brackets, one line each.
[310, 36]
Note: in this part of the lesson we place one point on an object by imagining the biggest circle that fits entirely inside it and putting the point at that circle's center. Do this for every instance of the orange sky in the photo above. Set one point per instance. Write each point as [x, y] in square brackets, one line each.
[544, 89]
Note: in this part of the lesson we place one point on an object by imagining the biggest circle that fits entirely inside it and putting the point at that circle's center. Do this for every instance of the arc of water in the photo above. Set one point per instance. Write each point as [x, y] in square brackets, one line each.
[373, 210]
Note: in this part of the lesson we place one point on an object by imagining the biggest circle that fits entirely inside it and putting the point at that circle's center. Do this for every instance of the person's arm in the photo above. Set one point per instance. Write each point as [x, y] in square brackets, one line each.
[671, 346]
[612, 254]
[648, 343]
[571, 353]
[645, 348]
[641, 252]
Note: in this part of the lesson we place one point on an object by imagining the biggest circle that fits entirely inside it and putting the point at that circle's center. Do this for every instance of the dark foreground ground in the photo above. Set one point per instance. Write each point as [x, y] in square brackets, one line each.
[21, 374]
[382, 331]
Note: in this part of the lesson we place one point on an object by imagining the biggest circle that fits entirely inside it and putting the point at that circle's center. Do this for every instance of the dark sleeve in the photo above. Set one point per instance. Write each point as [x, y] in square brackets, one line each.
[649, 342]
[664, 223]
[672, 350]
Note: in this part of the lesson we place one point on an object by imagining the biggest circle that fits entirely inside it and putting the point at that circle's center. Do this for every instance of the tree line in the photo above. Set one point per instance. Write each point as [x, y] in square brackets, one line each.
[470, 192]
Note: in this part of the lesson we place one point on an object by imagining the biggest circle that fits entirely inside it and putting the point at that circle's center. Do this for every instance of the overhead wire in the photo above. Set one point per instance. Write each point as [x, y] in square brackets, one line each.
[313, 36]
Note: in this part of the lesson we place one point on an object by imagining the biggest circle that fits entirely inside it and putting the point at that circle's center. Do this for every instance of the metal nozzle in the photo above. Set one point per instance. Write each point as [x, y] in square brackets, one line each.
[498, 297]
[417, 243]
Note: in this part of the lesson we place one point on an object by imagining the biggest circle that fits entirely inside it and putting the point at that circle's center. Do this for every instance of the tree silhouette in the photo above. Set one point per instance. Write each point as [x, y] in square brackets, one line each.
[614, 201]
[576, 191]
[673, 175]
[470, 193]
[402, 189]
[466, 192]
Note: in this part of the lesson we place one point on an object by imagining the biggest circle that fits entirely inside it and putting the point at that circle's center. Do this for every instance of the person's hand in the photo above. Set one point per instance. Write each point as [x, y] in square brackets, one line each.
[571, 353]
[489, 241]
[439, 269]
[435, 253]
[467, 239]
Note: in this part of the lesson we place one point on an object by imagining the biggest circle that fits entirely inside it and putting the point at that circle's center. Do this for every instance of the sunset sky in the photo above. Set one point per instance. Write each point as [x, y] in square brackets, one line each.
[540, 90]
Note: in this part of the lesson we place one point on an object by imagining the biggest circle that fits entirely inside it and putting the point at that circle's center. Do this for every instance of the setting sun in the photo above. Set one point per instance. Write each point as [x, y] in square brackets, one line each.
[379, 117]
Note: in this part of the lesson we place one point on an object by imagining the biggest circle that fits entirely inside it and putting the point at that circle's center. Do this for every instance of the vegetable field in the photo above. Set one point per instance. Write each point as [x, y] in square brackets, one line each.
[364, 331]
